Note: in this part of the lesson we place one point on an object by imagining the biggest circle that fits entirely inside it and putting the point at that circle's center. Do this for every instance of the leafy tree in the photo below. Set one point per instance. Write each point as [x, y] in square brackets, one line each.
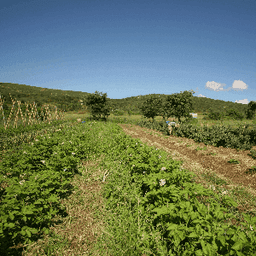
[235, 114]
[163, 110]
[179, 105]
[150, 108]
[215, 115]
[98, 105]
[250, 111]
[118, 112]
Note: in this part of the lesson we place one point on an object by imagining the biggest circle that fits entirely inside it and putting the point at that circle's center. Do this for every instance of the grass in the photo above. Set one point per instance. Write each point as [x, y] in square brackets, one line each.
[85, 230]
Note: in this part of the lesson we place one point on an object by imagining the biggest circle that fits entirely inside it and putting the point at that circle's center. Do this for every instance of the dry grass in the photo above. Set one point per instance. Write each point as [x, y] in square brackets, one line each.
[31, 115]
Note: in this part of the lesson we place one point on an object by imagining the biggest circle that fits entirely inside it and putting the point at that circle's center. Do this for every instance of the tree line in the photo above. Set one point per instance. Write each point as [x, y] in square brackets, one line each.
[135, 105]
[176, 105]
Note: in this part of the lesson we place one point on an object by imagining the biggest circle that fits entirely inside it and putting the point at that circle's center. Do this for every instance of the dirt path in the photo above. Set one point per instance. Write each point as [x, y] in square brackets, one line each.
[201, 161]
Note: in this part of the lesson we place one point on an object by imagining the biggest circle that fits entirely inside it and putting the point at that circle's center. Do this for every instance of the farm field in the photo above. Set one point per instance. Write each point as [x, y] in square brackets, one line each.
[71, 115]
[204, 160]
[105, 213]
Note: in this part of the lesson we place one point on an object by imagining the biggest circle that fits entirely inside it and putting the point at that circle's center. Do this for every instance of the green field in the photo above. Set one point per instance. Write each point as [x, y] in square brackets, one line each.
[109, 194]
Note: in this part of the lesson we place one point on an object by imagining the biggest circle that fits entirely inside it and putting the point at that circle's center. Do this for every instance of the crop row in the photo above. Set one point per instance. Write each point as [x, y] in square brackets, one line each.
[144, 188]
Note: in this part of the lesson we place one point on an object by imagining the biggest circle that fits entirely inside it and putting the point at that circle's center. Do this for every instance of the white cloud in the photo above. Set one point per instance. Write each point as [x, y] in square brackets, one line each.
[237, 85]
[244, 101]
[200, 95]
[214, 86]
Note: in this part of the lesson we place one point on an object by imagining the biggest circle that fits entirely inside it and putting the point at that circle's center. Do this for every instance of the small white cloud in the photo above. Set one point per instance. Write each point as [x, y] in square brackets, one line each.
[200, 95]
[239, 85]
[214, 86]
[244, 101]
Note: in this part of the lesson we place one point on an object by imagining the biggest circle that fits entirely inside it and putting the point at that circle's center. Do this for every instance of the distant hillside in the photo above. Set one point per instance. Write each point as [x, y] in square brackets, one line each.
[65, 100]
[71, 100]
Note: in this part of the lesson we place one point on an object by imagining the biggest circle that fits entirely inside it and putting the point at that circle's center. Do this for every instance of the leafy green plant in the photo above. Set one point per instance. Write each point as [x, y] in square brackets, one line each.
[233, 161]
[234, 114]
[211, 153]
[168, 212]
[118, 112]
[212, 177]
[29, 199]
[251, 109]
[191, 121]
[252, 154]
[215, 115]
[152, 206]
[251, 170]
[198, 148]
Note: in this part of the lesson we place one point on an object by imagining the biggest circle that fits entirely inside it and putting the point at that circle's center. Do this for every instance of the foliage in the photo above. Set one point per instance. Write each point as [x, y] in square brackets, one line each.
[215, 115]
[241, 137]
[179, 105]
[29, 199]
[118, 112]
[158, 209]
[234, 114]
[252, 154]
[73, 101]
[250, 112]
[14, 137]
[191, 121]
[64, 100]
[159, 126]
[150, 108]
[98, 105]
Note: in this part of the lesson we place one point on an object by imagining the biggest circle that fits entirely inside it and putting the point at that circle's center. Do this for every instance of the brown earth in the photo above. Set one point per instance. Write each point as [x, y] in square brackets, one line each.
[201, 161]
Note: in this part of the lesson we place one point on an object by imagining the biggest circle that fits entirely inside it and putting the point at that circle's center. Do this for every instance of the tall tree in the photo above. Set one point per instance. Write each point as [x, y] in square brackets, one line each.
[98, 105]
[251, 109]
[150, 107]
[179, 105]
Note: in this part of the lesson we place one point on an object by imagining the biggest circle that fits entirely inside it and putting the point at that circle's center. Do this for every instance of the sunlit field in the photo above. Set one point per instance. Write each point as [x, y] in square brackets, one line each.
[85, 187]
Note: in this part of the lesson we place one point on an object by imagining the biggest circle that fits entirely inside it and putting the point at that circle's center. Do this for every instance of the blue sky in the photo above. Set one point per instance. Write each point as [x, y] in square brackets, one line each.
[131, 48]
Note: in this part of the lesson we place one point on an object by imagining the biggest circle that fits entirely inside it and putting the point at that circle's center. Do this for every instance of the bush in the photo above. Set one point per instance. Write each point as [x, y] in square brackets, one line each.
[161, 126]
[234, 114]
[118, 112]
[215, 115]
[191, 121]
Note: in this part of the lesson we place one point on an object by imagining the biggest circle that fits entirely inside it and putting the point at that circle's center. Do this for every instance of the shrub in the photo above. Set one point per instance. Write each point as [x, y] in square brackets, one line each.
[118, 112]
[234, 114]
[215, 115]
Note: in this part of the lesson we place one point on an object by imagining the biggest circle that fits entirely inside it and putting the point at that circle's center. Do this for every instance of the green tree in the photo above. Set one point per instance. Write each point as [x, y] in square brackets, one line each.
[151, 107]
[98, 105]
[232, 113]
[251, 109]
[163, 110]
[179, 105]
[215, 114]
